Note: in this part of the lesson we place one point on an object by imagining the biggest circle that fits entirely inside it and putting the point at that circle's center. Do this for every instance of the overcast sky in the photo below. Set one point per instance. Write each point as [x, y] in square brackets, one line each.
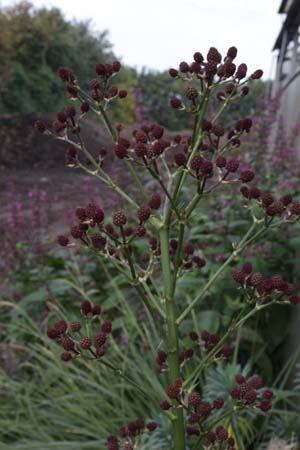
[159, 34]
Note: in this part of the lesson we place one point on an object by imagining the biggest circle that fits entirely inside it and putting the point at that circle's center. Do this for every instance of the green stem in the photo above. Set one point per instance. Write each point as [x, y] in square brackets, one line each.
[172, 335]
[136, 179]
[108, 125]
[233, 255]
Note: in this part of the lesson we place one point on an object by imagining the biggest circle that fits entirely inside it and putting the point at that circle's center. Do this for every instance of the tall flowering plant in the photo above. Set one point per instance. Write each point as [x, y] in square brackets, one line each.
[183, 171]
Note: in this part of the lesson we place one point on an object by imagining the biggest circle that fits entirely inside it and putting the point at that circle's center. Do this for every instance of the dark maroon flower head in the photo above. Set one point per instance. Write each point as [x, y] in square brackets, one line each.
[116, 65]
[123, 93]
[221, 161]
[250, 397]
[205, 409]
[75, 326]
[192, 431]
[96, 310]
[214, 55]
[151, 426]
[210, 438]
[218, 130]
[94, 213]
[241, 71]
[247, 175]
[52, 333]
[198, 57]
[86, 307]
[191, 93]
[143, 213]
[175, 102]
[229, 69]
[100, 339]
[119, 218]
[63, 240]
[239, 276]
[232, 165]
[221, 434]
[106, 327]
[70, 111]
[267, 394]
[65, 74]
[165, 406]
[245, 90]
[100, 351]
[194, 399]
[67, 344]
[161, 357]
[295, 299]
[265, 405]
[295, 208]
[247, 267]
[210, 69]
[173, 391]
[218, 403]
[257, 74]
[65, 356]
[100, 70]
[206, 125]
[155, 201]
[157, 131]
[180, 159]
[173, 73]
[85, 342]
[40, 126]
[123, 141]
[184, 67]
[196, 162]
[286, 199]
[85, 106]
[120, 151]
[58, 126]
[193, 336]
[60, 326]
[231, 53]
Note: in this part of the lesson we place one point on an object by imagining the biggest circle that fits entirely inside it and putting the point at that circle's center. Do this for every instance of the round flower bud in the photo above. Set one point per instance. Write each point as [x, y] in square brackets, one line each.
[67, 344]
[143, 213]
[100, 351]
[119, 218]
[86, 307]
[85, 342]
[247, 175]
[221, 161]
[40, 126]
[198, 57]
[123, 93]
[194, 399]
[175, 103]
[232, 165]
[180, 159]
[173, 391]
[184, 67]
[63, 240]
[191, 93]
[155, 201]
[75, 326]
[173, 73]
[257, 74]
[85, 107]
[265, 405]
[151, 426]
[116, 65]
[231, 53]
[241, 71]
[65, 356]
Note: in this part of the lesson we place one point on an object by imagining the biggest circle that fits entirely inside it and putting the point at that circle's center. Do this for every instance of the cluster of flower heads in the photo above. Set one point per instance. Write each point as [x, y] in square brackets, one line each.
[113, 237]
[223, 70]
[71, 339]
[250, 393]
[219, 439]
[266, 289]
[128, 434]
[101, 92]
[285, 207]
[205, 342]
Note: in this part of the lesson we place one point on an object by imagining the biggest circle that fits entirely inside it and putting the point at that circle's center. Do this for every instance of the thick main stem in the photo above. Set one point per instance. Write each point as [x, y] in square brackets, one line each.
[172, 334]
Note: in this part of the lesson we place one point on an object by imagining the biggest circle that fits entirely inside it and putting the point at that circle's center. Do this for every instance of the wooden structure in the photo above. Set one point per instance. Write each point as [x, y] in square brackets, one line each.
[287, 76]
